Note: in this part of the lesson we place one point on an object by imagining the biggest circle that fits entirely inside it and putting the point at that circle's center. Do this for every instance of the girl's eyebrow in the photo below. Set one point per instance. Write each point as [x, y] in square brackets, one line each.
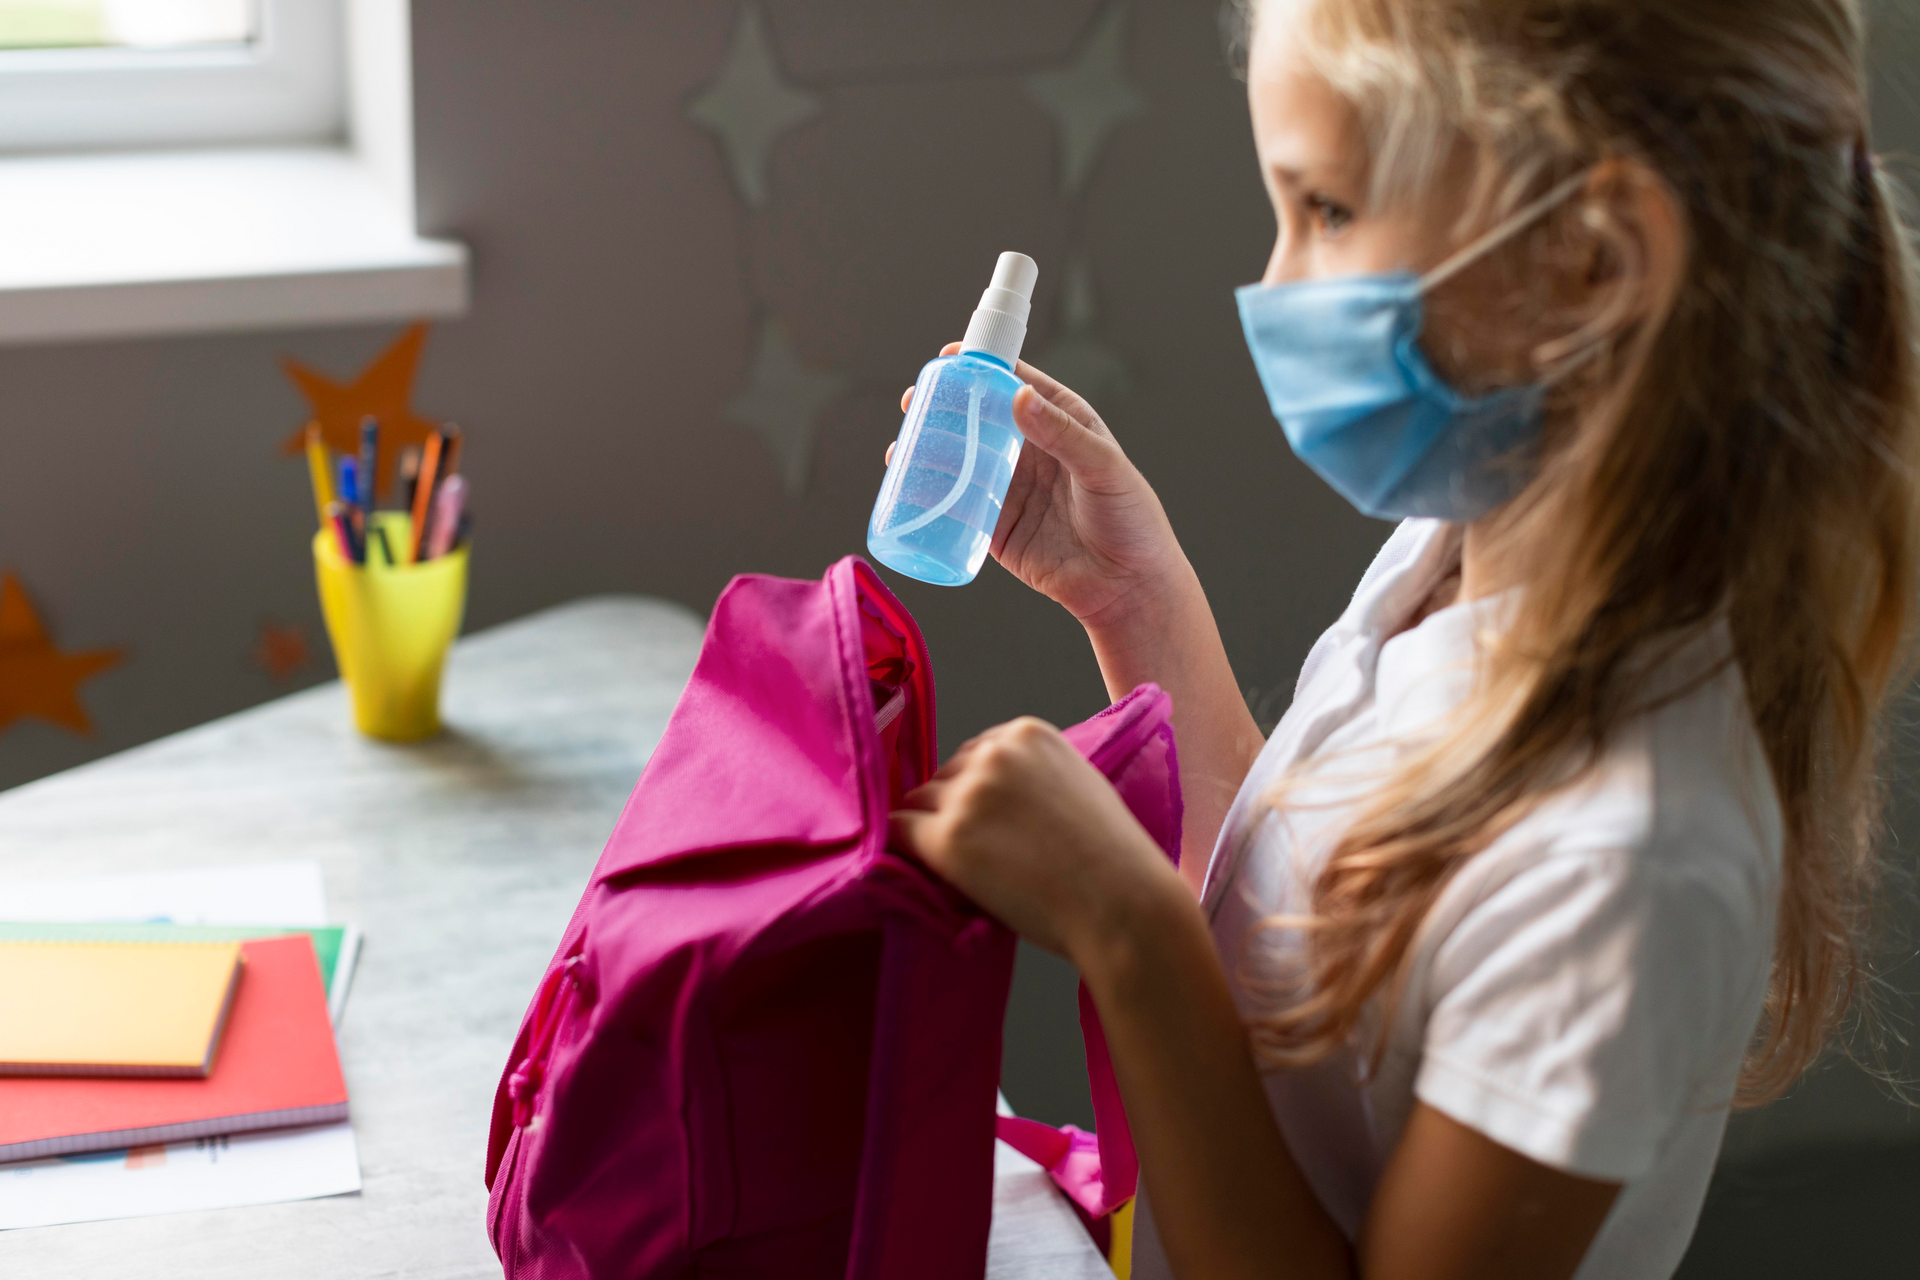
[1296, 176]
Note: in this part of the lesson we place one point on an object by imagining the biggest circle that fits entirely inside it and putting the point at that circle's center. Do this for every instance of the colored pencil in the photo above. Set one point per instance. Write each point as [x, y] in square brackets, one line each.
[423, 493]
[342, 530]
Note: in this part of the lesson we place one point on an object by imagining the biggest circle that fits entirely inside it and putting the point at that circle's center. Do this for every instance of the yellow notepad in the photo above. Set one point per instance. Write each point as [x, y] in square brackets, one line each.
[114, 1008]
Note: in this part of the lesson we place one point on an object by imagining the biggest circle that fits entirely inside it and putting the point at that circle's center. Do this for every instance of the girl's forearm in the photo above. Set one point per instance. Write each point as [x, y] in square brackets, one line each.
[1167, 634]
[1228, 1199]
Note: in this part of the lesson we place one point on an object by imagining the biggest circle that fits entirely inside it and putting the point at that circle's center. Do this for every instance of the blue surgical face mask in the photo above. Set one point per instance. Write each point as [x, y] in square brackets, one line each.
[1341, 363]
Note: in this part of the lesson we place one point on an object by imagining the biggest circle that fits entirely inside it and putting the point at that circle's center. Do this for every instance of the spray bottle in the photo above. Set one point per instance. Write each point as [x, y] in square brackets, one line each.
[955, 456]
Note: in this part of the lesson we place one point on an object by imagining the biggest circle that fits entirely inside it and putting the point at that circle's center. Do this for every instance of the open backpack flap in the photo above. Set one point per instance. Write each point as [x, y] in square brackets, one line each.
[768, 1044]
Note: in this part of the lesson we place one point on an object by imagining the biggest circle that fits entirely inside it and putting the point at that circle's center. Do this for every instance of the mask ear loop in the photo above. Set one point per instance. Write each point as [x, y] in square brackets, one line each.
[1513, 226]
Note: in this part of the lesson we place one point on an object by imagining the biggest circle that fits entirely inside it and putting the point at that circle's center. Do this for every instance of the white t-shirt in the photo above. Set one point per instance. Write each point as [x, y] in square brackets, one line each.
[1583, 989]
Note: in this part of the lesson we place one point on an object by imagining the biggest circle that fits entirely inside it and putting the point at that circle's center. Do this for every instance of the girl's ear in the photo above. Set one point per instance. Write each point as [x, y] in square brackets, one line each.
[1630, 270]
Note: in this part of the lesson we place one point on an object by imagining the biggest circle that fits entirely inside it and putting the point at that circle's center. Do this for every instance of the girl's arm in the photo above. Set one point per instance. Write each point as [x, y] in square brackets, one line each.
[1171, 639]
[1083, 526]
[1228, 1200]
[1019, 821]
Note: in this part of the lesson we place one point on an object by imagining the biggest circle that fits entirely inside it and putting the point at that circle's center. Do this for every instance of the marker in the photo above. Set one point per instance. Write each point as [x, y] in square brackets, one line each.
[369, 463]
[448, 505]
[349, 482]
[423, 492]
[317, 471]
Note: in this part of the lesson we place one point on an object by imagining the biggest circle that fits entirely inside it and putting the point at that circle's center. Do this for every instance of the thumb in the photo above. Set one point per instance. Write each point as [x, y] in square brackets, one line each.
[1083, 451]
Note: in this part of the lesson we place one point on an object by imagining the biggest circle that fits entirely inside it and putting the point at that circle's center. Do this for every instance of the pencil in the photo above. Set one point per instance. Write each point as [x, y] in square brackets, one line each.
[317, 469]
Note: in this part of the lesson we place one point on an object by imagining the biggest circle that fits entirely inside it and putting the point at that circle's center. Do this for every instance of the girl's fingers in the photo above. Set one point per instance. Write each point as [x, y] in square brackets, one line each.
[1075, 445]
[906, 398]
[906, 826]
[927, 796]
[890, 445]
[1059, 393]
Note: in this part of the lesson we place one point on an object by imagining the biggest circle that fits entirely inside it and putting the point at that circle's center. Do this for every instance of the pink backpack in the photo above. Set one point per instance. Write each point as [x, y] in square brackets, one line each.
[768, 1046]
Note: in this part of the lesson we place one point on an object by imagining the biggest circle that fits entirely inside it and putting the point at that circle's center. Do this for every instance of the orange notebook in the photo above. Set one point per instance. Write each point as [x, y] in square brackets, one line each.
[277, 1066]
[114, 1008]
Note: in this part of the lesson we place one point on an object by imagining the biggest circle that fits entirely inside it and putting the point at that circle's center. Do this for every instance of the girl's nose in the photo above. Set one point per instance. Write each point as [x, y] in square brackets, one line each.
[1284, 265]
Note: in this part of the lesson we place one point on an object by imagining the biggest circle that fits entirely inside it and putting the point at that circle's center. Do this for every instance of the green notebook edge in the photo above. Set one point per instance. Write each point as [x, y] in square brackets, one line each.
[335, 946]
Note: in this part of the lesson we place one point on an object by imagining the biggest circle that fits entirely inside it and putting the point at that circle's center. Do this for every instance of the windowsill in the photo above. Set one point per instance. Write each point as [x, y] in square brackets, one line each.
[149, 243]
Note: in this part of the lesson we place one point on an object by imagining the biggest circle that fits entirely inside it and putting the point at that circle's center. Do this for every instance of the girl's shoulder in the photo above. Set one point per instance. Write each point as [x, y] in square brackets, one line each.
[1673, 828]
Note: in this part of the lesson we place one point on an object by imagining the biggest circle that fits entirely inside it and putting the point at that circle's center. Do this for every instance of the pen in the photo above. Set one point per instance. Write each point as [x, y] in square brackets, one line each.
[450, 452]
[369, 464]
[317, 471]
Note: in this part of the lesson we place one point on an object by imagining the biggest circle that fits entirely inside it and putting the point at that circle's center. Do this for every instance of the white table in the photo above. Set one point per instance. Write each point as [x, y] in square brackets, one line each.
[462, 858]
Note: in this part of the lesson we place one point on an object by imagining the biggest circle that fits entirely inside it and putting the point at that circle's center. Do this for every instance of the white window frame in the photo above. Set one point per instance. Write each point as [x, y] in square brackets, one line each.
[268, 229]
[286, 85]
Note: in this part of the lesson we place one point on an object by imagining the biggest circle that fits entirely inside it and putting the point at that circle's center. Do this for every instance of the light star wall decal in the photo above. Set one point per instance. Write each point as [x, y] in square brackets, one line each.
[750, 104]
[35, 678]
[782, 402]
[1089, 97]
[384, 390]
[1078, 356]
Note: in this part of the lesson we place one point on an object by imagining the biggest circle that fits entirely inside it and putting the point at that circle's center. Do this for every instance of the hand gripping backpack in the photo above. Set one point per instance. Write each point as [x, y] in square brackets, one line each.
[767, 1045]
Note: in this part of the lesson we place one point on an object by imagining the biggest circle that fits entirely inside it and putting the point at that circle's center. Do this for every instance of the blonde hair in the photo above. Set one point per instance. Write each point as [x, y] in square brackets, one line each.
[1744, 449]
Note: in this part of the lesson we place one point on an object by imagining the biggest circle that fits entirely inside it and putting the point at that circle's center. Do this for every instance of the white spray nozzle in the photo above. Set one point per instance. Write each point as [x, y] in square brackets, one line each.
[1015, 272]
[999, 324]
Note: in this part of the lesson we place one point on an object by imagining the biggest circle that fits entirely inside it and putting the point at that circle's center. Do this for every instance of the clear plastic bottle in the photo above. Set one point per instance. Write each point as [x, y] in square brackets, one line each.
[955, 456]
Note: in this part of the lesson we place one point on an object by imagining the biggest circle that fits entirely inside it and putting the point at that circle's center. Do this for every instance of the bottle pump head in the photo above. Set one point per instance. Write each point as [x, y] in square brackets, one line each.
[999, 324]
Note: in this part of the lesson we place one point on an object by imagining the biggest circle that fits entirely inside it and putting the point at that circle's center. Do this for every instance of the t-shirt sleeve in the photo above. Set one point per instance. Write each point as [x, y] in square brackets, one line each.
[1584, 1006]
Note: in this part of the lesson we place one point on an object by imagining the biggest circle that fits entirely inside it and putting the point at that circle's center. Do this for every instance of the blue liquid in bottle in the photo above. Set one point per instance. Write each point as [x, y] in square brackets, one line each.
[951, 467]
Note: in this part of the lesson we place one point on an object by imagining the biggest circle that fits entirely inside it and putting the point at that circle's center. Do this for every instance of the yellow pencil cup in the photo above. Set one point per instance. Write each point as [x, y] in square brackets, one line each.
[391, 627]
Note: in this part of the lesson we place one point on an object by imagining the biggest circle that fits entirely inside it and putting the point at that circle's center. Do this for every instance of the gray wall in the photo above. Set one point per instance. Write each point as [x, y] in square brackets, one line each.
[618, 290]
[619, 286]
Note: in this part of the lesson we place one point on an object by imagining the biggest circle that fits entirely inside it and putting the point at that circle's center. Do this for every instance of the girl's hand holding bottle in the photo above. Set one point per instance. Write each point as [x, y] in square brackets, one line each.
[1082, 526]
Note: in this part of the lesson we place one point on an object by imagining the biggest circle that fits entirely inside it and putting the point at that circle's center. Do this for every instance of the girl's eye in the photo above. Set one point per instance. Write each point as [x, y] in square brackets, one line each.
[1330, 216]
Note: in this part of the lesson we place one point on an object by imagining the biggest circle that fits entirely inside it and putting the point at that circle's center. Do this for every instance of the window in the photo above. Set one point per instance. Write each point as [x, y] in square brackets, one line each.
[97, 24]
[93, 74]
[178, 166]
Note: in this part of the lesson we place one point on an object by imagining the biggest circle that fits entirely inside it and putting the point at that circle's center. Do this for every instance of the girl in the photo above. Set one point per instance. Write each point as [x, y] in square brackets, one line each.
[1566, 843]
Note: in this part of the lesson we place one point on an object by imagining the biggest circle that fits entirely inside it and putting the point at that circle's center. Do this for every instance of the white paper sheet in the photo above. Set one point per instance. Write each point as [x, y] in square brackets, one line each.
[266, 893]
[211, 1173]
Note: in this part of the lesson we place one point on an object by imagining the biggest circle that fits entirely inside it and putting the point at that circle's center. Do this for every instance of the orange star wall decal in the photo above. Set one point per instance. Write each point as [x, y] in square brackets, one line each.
[35, 678]
[383, 391]
[281, 649]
